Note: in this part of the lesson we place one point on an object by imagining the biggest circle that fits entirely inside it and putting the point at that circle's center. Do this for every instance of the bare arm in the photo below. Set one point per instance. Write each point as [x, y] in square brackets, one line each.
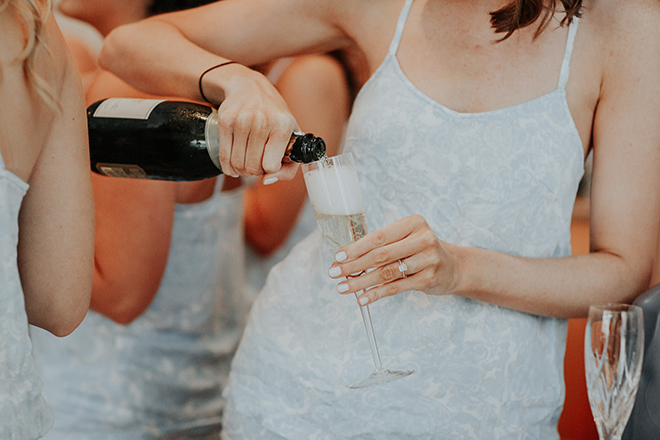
[316, 89]
[166, 55]
[624, 212]
[133, 229]
[56, 219]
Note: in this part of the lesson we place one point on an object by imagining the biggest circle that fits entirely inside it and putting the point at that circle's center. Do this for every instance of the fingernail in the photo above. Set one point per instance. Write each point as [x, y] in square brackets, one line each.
[364, 300]
[334, 271]
[270, 180]
[342, 287]
[340, 256]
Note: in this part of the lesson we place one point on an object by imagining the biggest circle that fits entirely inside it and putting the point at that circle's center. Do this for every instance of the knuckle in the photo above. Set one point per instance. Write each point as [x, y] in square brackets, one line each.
[426, 278]
[271, 168]
[381, 256]
[244, 121]
[379, 238]
[252, 170]
[417, 219]
[284, 122]
[428, 238]
[237, 164]
[259, 122]
[224, 156]
[226, 120]
[389, 273]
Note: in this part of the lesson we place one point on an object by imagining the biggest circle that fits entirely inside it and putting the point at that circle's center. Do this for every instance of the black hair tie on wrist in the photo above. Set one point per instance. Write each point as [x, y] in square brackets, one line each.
[201, 92]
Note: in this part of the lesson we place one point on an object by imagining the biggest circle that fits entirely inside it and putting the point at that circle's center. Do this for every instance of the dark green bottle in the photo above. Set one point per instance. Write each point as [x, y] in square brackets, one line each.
[166, 140]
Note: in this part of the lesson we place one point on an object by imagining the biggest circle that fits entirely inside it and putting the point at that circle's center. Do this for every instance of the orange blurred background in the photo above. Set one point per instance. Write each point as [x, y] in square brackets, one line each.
[576, 421]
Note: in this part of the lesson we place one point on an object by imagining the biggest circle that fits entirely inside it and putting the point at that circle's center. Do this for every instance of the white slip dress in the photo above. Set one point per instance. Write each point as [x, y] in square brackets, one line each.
[24, 414]
[161, 376]
[504, 180]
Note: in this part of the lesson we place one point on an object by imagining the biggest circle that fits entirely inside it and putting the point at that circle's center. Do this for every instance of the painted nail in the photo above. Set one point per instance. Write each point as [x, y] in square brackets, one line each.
[364, 300]
[342, 287]
[334, 271]
[270, 180]
[340, 256]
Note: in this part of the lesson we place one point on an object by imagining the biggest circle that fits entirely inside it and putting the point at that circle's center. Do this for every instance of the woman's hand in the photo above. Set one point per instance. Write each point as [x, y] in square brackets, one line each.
[406, 255]
[254, 123]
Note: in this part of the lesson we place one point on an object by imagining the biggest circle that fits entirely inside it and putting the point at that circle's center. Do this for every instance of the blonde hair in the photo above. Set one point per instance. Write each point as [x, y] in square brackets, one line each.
[34, 13]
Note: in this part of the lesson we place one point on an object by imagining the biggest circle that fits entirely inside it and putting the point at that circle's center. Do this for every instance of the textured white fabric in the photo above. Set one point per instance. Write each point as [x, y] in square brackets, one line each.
[24, 415]
[504, 180]
[162, 375]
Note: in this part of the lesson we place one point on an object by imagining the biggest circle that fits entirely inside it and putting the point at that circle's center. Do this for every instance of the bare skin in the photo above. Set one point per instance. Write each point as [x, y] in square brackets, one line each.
[134, 218]
[48, 149]
[447, 52]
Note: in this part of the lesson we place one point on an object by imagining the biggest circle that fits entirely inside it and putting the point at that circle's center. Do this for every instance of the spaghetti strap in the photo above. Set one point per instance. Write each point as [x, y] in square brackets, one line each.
[401, 23]
[565, 64]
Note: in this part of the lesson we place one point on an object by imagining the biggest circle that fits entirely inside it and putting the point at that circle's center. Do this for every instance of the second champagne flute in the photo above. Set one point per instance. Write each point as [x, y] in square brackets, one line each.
[334, 191]
[613, 353]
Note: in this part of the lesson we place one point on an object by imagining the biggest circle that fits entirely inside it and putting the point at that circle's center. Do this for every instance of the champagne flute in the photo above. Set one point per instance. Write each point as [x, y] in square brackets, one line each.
[334, 191]
[613, 352]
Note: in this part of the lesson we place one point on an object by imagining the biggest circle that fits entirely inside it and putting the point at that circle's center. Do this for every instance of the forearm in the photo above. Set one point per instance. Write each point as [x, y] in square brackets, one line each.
[558, 287]
[134, 220]
[136, 54]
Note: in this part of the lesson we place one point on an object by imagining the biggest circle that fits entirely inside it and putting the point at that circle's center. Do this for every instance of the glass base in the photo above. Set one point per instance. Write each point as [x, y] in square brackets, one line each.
[379, 377]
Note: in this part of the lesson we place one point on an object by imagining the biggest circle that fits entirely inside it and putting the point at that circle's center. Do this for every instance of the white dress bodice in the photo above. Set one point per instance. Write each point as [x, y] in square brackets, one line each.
[504, 180]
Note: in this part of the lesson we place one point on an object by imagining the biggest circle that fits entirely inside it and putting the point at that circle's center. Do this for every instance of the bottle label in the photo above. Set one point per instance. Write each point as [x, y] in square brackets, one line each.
[128, 108]
[121, 170]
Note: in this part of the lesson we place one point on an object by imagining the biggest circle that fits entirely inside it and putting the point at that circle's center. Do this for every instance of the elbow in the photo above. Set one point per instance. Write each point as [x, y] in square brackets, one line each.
[112, 51]
[264, 246]
[263, 241]
[123, 315]
[65, 327]
[63, 322]
[121, 303]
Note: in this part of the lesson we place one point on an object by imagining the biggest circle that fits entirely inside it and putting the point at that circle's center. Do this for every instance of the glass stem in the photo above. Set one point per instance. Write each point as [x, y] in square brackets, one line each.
[368, 326]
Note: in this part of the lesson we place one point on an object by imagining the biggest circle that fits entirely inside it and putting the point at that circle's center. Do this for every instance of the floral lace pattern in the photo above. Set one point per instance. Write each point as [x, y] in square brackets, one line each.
[162, 375]
[504, 180]
[24, 415]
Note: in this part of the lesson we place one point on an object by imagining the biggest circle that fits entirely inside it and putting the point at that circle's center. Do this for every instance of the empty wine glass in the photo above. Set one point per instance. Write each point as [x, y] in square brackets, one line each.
[613, 352]
[334, 191]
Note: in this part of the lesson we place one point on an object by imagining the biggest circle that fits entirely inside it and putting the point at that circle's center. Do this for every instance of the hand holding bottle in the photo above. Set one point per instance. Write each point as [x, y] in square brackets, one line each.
[254, 123]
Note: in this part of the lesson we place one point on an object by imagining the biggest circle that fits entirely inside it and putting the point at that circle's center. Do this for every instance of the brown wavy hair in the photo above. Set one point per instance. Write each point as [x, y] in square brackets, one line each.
[33, 13]
[521, 13]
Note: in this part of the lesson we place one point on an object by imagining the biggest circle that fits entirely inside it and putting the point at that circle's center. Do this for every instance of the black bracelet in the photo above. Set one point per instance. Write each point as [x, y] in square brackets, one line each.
[201, 92]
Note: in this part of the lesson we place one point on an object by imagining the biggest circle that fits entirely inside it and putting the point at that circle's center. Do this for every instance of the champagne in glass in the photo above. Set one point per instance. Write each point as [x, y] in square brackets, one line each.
[613, 352]
[334, 191]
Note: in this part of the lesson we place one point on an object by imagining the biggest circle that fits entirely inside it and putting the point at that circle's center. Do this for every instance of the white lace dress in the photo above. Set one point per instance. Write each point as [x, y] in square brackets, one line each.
[504, 180]
[24, 415]
[161, 376]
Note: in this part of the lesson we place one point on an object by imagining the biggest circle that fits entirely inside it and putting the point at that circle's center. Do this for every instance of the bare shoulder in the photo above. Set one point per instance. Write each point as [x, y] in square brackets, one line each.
[628, 28]
[59, 82]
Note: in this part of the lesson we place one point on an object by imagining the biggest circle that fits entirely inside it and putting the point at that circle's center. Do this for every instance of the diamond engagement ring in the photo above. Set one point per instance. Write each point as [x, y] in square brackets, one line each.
[403, 268]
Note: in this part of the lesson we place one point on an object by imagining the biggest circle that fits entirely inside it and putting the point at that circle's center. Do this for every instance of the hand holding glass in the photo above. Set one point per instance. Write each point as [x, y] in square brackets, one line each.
[613, 352]
[334, 191]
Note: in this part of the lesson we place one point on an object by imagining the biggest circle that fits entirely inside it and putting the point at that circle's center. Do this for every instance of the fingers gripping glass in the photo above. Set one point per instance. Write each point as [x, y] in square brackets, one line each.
[613, 352]
[336, 198]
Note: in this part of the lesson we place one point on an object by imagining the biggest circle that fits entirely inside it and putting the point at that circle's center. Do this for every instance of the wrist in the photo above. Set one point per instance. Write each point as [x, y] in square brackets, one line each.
[214, 82]
[467, 280]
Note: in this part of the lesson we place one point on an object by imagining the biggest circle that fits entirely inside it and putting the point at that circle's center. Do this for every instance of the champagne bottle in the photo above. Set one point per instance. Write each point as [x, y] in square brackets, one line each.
[166, 140]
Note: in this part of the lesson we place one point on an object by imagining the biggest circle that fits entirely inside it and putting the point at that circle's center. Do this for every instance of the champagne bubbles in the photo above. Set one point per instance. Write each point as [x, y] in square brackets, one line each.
[330, 189]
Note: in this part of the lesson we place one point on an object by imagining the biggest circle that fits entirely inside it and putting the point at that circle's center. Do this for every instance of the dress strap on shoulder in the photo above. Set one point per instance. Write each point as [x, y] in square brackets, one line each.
[401, 23]
[566, 62]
